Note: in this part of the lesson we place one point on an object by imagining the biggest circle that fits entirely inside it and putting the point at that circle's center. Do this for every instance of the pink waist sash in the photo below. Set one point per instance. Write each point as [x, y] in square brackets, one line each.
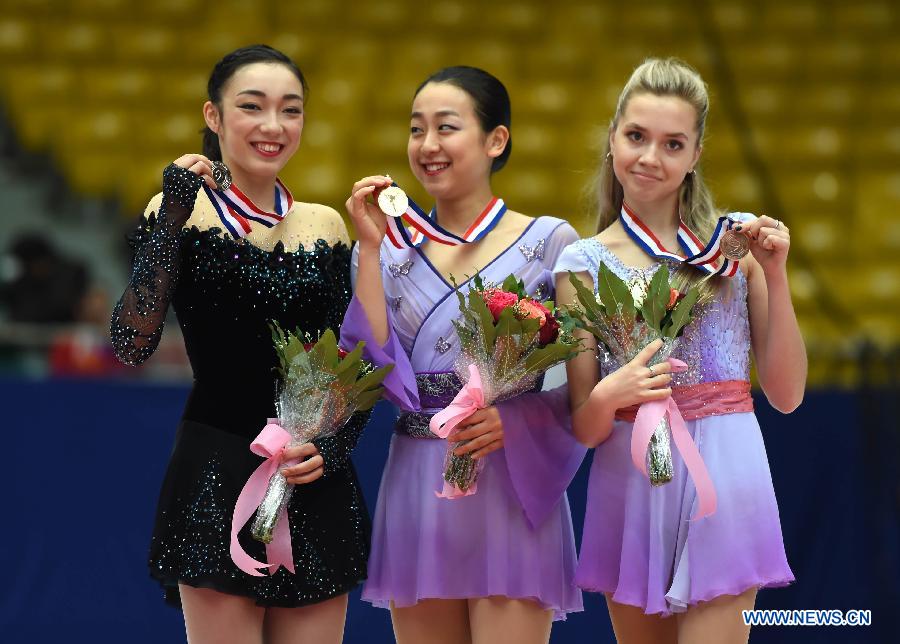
[704, 399]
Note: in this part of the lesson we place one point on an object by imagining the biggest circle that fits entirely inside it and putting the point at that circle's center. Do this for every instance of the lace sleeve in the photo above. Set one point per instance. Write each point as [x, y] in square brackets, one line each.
[336, 449]
[138, 317]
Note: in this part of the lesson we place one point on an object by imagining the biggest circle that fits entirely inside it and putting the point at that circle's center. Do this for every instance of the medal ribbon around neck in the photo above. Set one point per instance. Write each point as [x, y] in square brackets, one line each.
[236, 210]
[426, 226]
[700, 256]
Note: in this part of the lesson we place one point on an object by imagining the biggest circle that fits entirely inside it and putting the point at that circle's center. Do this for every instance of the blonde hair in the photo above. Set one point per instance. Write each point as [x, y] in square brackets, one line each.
[663, 77]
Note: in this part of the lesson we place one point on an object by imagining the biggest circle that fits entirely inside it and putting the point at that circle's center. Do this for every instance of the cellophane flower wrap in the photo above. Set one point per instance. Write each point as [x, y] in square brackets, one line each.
[511, 339]
[320, 388]
[625, 318]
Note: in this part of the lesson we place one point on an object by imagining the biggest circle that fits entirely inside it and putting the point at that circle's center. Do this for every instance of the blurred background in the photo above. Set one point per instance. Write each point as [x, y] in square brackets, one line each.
[97, 96]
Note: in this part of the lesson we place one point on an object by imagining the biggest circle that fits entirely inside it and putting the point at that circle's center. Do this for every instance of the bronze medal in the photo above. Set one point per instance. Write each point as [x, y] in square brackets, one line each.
[734, 245]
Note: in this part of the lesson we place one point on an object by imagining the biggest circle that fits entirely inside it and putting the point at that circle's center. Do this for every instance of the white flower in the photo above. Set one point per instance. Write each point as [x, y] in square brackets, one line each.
[638, 287]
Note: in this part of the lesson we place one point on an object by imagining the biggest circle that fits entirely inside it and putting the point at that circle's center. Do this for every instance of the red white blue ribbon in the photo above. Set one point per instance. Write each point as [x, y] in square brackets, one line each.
[426, 226]
[702, 257]
[236, 210]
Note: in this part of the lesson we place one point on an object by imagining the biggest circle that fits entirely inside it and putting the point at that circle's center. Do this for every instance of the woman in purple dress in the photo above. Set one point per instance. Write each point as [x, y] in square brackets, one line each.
[640, 546]
[497, 565]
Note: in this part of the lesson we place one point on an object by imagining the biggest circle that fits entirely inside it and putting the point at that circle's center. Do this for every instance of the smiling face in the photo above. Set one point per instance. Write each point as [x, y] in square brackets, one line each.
[260, 120]
[449, 152]
[654, 146]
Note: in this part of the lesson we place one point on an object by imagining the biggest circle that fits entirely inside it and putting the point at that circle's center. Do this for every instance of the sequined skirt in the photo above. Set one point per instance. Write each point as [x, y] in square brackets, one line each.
[330, 528]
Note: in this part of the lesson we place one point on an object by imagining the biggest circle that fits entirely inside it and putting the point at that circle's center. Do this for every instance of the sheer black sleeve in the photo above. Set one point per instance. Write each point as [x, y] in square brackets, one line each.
[336, 449]
[138, 317]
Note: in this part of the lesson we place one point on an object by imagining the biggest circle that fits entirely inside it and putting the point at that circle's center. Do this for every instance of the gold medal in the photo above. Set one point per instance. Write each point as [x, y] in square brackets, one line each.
[221, 175]
[734, 245]
[393, 201]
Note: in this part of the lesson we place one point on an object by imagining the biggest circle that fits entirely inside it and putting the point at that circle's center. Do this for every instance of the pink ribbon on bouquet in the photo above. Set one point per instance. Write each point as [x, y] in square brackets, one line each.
[269, 443]
[469, 400]
[648, 416]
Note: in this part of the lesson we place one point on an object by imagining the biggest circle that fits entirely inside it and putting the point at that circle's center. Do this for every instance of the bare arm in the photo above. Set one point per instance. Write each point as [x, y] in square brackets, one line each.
[775, 335]
[370, 225]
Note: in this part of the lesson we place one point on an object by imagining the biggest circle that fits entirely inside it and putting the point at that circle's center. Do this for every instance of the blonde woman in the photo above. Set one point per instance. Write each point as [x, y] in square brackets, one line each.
[640, 547]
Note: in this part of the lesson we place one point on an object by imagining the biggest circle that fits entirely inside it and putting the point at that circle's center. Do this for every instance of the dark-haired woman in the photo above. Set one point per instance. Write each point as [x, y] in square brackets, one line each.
[496, 566]
[230, 259]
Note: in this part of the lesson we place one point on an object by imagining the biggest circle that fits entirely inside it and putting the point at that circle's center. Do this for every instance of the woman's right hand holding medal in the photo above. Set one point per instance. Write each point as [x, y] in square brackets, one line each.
[368, 219]
[199, 165]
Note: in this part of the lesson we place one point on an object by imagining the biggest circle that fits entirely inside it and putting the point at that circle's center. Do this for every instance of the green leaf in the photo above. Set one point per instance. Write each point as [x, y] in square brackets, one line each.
[586, 297]
[506, 355]
[370, 380]
[614, 293]
[485, 319]
[552, 354]
[367, 399]
[347, 370]
[681, 314]
[654, 306]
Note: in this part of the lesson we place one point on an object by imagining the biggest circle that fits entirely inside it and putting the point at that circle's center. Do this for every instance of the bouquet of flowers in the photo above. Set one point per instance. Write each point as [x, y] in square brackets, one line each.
[507, 341]
[321, 387]
[625, 318]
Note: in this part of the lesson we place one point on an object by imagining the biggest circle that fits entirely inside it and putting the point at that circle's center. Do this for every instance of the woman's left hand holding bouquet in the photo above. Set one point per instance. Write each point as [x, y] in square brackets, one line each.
[310, 468]
[484, 432]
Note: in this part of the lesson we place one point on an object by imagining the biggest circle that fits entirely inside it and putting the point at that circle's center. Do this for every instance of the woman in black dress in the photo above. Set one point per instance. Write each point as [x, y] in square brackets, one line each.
[229, 263]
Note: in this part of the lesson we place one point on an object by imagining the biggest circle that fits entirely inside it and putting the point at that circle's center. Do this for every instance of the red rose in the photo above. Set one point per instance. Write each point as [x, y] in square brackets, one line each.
[341, 353]
[497, 300]
[549, 331]
[531, 309]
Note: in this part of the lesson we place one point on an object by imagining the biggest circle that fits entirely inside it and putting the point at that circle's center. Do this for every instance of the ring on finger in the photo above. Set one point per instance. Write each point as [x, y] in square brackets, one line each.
[777, 224]
[652, 373]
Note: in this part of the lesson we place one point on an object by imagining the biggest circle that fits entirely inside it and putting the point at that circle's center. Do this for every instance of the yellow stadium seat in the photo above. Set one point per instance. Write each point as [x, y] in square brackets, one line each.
[877, 207]
[96, 132]
[764, 103]
[883, 105]
[808, 195]
[67, 42]
[128, 86]
[808, 148]
[797, 19]
[307, 17]
[139, 180]
[832, 103]
[167, 133]
[419, 58]
[733, 20]
[17, 36]
[187, 12]
[95, 174]
[837, 59]
[878, 147]
[769, 59]
[865, 18]
[147, 45]
[447, 17]
[99, 10]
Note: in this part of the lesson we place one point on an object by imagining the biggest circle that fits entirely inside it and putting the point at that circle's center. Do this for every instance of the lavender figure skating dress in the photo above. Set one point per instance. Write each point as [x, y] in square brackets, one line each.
[639, 546]
[514, 536]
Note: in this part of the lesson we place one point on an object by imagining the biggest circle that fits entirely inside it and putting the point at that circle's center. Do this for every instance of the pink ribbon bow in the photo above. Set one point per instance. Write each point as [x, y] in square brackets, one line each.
[648, 416]
[469, 399]
[270, 443]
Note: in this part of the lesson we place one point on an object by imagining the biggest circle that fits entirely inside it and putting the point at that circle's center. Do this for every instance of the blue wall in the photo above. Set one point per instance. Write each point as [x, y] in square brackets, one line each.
[85, 460]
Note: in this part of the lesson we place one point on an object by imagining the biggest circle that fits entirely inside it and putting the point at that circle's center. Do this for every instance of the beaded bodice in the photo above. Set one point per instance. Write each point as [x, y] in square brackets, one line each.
[225, 294]
[715, 345]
